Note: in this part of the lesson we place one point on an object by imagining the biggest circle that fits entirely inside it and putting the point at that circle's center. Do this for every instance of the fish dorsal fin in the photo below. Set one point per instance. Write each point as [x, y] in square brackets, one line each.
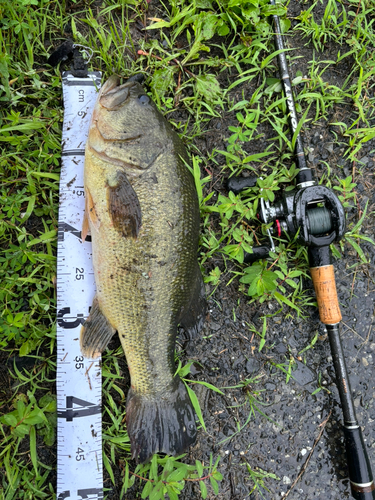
[96, 332]
[192, 317]
[123, 206]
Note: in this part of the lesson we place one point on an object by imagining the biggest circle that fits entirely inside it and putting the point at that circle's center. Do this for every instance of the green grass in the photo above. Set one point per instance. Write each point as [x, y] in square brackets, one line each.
[200, 59]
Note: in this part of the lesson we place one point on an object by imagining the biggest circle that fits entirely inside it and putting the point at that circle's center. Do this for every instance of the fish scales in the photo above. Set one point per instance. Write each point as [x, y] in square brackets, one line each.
[143, 214]
[141, 283]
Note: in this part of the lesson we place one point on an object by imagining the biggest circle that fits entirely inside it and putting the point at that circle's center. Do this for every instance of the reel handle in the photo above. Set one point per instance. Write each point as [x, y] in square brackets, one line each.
[238, 184]
[259, 252]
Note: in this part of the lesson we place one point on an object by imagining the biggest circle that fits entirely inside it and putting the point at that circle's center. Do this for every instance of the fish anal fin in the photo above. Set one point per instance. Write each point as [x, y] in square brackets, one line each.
[192, 318]
[123, 206]
[96, 332]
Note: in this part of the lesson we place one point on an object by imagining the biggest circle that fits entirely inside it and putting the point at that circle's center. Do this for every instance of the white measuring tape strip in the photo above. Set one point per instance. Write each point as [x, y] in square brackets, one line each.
[79, 384]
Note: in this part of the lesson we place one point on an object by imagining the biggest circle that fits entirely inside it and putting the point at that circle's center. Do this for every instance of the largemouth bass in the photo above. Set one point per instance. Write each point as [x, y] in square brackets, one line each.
[143, 214]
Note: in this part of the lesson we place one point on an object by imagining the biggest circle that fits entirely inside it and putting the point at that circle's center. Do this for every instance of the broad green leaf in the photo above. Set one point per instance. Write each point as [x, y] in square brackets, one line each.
[294, 274]
[273, 10]
[208, 86]
[185, 370]
[209, 25]
[218, 476]
[285, 24]
[163, 79]
[234, 3]
[253, 288]
[172, 495]
[250, 12]
[48, 403]
[252, 273]
[214, 485]
[157, 491]
[199, 467]
[203, 489]
[260, 288]
[291, 283]
[263, 28]
[36, 416]
[21, 430]
[25, 348]
[178, 474]
[147, 489]
[222, 29]
[49, 435]
[9, 419]
[154, 468]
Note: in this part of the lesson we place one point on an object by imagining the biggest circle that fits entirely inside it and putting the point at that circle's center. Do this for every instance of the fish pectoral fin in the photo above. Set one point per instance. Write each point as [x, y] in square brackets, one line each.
[123, 206]
[96, 332]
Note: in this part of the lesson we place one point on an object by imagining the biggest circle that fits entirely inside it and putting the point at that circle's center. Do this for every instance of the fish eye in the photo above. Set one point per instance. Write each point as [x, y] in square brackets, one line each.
[144, 99]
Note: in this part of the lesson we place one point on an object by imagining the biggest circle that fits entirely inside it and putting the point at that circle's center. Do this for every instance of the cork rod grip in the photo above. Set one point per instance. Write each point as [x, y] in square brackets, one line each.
[325, 289]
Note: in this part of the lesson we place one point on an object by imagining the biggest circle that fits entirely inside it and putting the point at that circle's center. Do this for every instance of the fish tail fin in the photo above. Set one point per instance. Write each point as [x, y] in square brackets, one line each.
[160, 424]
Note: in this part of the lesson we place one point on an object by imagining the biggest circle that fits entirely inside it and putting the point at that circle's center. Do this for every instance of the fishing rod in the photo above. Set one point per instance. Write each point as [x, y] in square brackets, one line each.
[316, 216]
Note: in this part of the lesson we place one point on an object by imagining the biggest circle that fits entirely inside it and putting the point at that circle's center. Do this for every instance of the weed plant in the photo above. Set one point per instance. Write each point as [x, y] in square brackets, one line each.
[199, 58]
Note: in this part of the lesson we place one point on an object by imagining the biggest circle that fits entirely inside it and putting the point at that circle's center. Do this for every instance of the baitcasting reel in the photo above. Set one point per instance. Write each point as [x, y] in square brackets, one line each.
[313, 212]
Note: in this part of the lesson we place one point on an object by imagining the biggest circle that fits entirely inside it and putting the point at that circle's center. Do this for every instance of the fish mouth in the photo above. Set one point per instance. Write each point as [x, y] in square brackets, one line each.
[112, 82]
[112, 86]
[113, 95]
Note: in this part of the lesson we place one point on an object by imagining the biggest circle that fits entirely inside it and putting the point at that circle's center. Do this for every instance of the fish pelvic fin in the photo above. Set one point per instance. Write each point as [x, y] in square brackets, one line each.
[192, 318]
[96, 332]
[160, 424]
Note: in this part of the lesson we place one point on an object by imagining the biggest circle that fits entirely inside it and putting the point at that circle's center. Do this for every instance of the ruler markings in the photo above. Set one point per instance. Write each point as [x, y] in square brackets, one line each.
[79, 470]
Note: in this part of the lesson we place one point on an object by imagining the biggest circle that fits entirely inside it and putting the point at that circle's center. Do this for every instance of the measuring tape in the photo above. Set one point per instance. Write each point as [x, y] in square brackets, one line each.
[79, 384]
